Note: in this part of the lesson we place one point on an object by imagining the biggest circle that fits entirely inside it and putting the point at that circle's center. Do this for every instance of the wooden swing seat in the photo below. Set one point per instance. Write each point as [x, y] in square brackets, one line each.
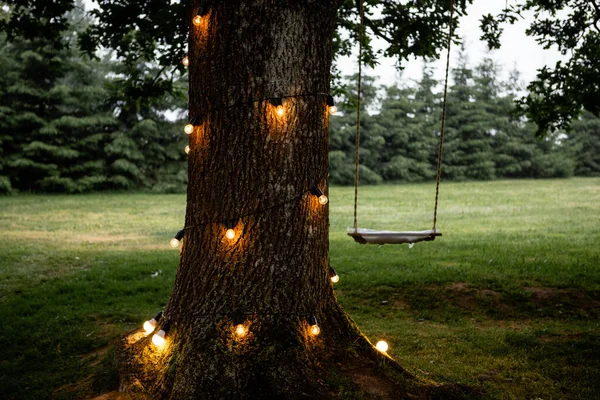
[371, 236]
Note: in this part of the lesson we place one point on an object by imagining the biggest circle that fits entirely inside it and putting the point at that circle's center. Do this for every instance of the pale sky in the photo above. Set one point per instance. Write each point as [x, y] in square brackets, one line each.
[517, 49]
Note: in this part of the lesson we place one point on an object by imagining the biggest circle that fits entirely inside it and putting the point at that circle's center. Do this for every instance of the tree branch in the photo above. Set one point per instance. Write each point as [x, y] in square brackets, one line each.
[377, 31]
[597, 7]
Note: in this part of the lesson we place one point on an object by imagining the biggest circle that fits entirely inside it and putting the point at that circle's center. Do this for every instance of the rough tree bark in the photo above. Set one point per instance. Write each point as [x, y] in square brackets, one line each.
[250, 165]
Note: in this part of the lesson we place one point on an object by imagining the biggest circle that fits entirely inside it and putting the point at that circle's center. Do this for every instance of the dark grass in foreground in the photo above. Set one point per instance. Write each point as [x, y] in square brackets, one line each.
[507, 301]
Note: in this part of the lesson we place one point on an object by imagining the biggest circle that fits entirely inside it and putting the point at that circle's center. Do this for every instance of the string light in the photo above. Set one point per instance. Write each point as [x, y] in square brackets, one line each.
[334, 276]
[278, 104]
[198, 18]
[189, 128]
[382, 346]
[319, 193]
[159, 338]
[331, 104]
[151, 323]
[240, 330]
[177, 238]
[314, 327]
[230, 232]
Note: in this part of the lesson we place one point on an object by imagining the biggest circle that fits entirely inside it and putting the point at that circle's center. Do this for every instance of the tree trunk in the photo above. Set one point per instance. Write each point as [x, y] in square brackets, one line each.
[254, 168]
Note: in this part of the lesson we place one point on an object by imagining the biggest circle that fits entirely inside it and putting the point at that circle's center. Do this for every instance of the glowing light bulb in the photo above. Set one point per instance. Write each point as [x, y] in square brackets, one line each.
[159, 338]
[335, 278]
[280, 111]
[189, 128]
[197, 20]
[187, 149]
[382, 346]
[410, 245]
[151, 323]
[177, 238]
[240, 330]
[320, 195]
[230, 234]
[314, 326]
[185, 61]
[315, 330]
[331, 104]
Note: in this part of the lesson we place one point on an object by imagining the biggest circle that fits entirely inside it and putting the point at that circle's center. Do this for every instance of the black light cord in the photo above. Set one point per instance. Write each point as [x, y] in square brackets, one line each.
[328, 101]
[255, 212]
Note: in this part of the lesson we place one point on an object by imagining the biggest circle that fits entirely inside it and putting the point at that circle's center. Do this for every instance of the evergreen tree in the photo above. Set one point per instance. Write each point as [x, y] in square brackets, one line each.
[518, 153]
[72, 125]
[409, 116]
[468, 145]
[149, 148]
[343, 133]
[583, 144]
[54, 121]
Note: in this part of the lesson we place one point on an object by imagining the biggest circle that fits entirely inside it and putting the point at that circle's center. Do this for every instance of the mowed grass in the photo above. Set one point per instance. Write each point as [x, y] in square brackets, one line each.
[506, 301]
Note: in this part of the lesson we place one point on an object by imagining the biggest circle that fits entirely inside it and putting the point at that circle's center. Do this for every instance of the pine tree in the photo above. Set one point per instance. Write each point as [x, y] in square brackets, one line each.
[148, 150]
[518, 153]
[410, 116]
[69, 124]
[468, 149]
[343, 134]
[583, 144]
[54, 121]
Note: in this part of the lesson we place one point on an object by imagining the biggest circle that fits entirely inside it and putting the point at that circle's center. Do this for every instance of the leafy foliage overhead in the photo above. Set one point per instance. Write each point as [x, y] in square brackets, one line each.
[156, 30]
[558, 94]
[149, 30]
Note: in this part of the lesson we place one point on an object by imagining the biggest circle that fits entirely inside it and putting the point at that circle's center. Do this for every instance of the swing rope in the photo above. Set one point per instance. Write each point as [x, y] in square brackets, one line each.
[441, 141]
[357, 140]
[441, 147]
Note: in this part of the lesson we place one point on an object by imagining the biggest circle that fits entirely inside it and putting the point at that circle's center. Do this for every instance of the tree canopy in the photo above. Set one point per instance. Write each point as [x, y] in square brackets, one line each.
[140, 31]
[558, 94]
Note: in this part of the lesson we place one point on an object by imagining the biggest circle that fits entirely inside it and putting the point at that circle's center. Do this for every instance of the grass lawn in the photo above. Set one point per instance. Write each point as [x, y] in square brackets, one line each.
[507, 301]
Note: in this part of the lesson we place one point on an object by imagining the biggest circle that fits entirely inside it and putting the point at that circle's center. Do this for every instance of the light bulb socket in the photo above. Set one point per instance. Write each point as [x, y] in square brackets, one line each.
[329, 100]
[332, 272]
[158, 316]
[239, 319]
[312, 320]
[232, 223]
[276, 101]
[179, 235]
[316, 191]
[194, 121]
[165, 327]
[202, 11]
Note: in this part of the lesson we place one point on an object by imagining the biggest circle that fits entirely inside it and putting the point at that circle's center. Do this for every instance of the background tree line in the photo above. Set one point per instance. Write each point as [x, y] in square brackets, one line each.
[69, 124]
[400, 128]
